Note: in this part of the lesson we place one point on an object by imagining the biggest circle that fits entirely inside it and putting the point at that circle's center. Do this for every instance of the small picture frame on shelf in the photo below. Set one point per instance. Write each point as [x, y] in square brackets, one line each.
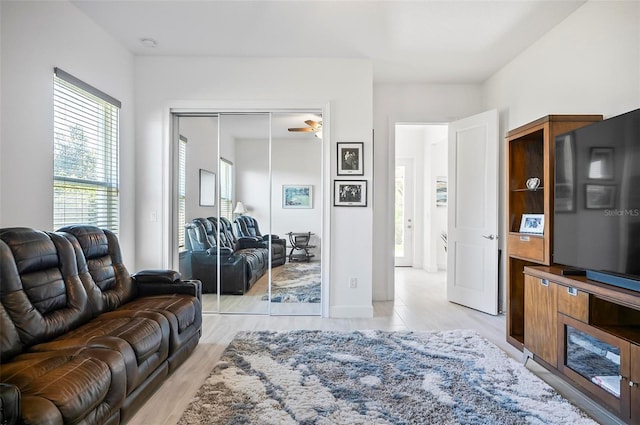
[532, 223]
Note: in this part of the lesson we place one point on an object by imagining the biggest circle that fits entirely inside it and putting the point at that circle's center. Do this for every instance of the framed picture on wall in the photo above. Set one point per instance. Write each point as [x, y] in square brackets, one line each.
[207, 188]
[350, 159]
[600, 196]
[350, 193]
[297, 196]
[441, 191]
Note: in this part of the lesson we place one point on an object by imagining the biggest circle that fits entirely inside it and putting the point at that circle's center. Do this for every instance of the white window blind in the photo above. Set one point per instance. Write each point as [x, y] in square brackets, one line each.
[226, 189]
[85, 125]
[182, 190]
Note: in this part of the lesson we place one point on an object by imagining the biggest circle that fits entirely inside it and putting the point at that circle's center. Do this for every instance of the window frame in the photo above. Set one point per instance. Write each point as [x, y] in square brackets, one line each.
[86, 142]
[226, 188]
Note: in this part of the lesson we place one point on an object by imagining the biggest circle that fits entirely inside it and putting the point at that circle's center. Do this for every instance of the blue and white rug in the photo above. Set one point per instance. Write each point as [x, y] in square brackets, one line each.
[295, 283]
[373, 377]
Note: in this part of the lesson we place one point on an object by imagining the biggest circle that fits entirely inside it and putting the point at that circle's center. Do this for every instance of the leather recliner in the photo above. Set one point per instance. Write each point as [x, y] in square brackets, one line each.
[257, 257]
[247, 228]
[205, 255]
[82, 341]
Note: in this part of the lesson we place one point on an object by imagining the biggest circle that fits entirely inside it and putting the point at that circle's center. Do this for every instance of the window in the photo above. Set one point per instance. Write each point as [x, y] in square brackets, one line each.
[182, 190]
[85, 181]
[226, 189]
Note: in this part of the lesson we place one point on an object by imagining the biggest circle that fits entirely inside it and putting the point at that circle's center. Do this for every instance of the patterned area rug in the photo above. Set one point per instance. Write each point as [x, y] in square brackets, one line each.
[373, 377]
[296, 283]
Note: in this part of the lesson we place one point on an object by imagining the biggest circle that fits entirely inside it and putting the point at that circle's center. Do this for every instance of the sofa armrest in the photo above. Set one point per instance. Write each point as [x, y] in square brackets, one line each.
[224, 251]
[164, 282]
[249, 242]
[157, 276]
[186, 287]
[9, 404]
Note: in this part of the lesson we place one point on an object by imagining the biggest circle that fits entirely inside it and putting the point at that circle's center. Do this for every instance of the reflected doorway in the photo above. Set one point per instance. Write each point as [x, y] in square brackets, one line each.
[420, 195]
[238, 245]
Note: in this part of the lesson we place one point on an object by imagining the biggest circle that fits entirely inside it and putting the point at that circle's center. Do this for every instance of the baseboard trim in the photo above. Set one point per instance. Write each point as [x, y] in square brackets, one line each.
[351, 311]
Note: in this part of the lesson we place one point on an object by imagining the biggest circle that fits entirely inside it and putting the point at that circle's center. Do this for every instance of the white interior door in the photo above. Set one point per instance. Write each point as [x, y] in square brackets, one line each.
[404, 222]
[472, 260]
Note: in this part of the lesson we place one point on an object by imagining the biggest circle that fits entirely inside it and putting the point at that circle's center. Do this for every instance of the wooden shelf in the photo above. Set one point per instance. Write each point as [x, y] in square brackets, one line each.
[530, 152]
[539, 188]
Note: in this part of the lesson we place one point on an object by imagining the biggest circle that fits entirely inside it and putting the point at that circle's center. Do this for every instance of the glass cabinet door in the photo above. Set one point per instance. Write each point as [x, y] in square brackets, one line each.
[598, 361]
[594, 359]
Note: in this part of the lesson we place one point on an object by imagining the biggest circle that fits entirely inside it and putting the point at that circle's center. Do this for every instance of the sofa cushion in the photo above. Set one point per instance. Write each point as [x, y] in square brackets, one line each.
[142, 337]
[182, 311]
[41, 291]
[69, 386]
[99, 263]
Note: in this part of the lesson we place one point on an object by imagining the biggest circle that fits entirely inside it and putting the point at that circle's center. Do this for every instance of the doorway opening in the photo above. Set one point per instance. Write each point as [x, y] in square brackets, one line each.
[421, 196]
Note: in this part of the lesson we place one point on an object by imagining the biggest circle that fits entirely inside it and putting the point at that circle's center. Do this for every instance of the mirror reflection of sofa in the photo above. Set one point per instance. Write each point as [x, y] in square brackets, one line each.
[248, 231]
[211, 240]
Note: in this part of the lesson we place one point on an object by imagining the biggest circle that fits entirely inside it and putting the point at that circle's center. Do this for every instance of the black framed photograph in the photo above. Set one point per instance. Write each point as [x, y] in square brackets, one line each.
[350, 193]
[600, 196]
[207, 188]
[351, 159]
[601, 163]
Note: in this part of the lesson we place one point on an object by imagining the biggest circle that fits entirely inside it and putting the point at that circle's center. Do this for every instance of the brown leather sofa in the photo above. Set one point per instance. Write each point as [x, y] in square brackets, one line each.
[82, 341]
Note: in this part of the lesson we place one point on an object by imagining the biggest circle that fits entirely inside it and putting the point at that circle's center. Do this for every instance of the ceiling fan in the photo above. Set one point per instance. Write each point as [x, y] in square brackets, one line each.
[313, 127]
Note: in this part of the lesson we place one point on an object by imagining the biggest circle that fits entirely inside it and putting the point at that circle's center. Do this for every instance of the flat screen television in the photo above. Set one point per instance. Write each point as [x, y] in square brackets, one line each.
[597, 200]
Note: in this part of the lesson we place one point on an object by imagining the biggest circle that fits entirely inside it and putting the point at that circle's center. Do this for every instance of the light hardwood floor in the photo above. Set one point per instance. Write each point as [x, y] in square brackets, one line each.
[420, 304]
[252, 303]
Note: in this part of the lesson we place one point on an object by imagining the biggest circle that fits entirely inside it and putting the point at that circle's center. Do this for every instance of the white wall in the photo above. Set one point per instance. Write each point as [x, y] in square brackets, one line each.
[405, 103]
[298, 162]
[439, 167]
[252, 183]
[202, 152]
[182, 82]
[294, 162]
[589, 64]
[35, 38]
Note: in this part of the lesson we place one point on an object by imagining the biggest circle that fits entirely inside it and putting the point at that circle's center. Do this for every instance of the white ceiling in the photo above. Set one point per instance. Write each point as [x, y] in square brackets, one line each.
[422, 41]
[256, 126]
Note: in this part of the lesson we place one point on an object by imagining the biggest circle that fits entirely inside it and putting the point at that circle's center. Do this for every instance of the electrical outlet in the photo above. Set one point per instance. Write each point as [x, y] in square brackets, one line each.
[353, 282]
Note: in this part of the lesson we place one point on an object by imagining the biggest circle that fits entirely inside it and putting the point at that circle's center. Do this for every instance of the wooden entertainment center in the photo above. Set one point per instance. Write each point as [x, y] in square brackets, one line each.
[586, 331]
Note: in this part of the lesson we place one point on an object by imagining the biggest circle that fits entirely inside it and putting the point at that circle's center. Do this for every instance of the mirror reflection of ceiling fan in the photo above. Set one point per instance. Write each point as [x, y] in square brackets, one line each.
[313, 127]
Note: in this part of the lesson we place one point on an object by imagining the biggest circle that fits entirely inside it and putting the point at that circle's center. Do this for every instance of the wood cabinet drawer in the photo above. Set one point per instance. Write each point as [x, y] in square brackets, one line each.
[529, 247]
[573, 303]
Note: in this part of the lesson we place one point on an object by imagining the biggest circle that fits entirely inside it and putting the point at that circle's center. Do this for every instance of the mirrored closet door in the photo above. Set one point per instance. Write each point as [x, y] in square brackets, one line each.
[248, 216]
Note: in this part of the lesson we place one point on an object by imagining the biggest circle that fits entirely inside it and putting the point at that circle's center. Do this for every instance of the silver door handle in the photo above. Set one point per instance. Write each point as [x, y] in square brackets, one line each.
[490, 237]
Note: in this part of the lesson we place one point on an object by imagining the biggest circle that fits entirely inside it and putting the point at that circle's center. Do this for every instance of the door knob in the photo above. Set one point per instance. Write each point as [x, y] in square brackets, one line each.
[490, 237]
